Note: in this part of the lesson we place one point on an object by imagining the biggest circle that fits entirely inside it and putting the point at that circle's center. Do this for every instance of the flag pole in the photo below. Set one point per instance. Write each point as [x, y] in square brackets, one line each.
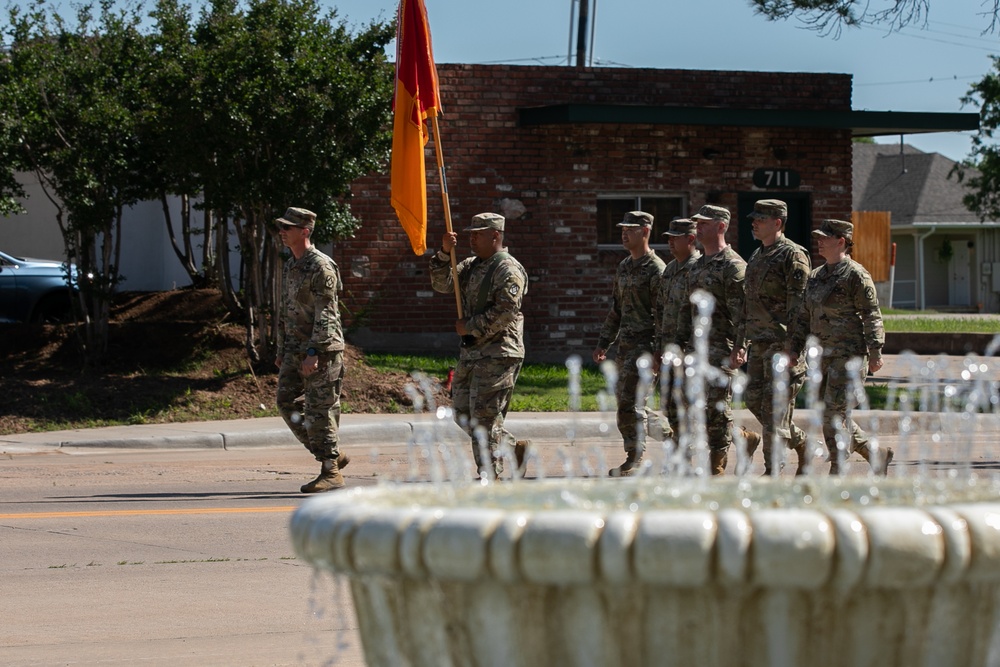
[447, 210]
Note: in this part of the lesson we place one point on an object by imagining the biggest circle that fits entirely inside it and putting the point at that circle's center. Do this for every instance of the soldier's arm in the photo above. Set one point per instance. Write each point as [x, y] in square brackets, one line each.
[798, 325]
[685, 313]
[657, 294]
[440, 272]
[281, 318]
[866, 304]
[324, 286]
[795, 286]
[736, 290]
[613, 321]
[661, 311]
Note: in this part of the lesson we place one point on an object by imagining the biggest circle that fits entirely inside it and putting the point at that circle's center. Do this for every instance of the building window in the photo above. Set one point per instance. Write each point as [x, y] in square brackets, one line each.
[612, 208]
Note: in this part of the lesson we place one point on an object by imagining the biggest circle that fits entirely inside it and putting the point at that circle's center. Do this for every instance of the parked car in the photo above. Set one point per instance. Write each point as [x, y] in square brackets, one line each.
[34, 290]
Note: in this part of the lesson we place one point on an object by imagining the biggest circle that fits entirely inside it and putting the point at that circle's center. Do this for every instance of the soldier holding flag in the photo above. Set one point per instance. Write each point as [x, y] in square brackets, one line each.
[492, 284]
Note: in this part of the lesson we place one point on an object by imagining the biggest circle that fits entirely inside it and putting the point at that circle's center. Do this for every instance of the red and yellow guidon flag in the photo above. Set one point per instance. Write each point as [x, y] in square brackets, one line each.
[415, 100]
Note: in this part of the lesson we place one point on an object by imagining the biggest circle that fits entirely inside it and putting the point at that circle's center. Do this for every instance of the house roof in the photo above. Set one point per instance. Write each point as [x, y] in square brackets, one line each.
[914, 186]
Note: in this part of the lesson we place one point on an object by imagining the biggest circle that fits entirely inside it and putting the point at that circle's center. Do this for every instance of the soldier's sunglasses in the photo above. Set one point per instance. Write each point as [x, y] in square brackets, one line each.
[284, 226]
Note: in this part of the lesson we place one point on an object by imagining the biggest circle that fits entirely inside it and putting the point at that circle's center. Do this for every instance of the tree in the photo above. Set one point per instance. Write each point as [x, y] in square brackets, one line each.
[294, 108]
[174, 113]
[252, 110]
[10, 142]
[981, 170]
[830, 16]
[75, 95]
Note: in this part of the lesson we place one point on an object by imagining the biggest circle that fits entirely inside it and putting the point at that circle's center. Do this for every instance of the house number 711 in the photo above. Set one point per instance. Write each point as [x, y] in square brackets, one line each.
[776, 178]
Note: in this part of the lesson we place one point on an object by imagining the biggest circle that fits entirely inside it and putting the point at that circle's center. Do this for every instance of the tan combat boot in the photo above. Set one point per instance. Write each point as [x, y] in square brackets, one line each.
[880, 466]
[520, 452]
[799, 448]
[718, 459]
[633, 461]
[753, 440]
[329, 479]
[800, 451]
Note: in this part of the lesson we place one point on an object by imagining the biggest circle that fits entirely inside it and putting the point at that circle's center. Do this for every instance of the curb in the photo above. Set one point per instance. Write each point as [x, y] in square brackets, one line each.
[401, 430]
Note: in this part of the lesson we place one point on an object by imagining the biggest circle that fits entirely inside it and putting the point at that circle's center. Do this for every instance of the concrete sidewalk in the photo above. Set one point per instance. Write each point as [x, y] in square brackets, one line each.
[399, 429]
[366, 431]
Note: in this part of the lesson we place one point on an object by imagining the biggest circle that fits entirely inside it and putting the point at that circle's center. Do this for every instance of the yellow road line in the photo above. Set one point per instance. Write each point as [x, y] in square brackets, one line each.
[206, 510]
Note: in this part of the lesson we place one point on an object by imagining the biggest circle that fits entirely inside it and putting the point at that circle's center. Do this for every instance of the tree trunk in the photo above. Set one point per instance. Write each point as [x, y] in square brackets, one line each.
[185, 256]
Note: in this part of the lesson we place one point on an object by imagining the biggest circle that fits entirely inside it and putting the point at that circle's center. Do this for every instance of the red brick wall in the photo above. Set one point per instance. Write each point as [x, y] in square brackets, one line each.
[557, 171]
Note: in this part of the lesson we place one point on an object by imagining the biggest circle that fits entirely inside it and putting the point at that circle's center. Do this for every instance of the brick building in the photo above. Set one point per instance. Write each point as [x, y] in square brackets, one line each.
[563, 153]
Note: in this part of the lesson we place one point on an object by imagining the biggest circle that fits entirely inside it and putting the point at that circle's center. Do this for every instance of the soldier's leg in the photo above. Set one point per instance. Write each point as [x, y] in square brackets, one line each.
[322, 407]
[322, 421]
[755, 397]
[796, 439]
[833, 390]
[630, 417]
[669, 399]
[719, 424]
[492, 388]
[290, 387]
[461, 401]
[860, 440]
[779, 428]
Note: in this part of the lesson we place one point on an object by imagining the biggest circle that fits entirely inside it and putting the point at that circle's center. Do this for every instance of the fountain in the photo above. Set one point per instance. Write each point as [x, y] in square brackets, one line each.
[677, 569]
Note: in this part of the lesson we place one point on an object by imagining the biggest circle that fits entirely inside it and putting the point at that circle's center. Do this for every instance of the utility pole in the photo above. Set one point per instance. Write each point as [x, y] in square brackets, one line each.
[581, 34]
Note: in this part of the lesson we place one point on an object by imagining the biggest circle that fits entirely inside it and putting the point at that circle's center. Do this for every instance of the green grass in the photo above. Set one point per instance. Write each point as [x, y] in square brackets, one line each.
[540, 387]
[942, 324]
[545, 387]
[932, 321]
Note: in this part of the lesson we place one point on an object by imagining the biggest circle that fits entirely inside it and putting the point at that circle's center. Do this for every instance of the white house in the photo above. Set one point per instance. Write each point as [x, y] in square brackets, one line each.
[946, 258]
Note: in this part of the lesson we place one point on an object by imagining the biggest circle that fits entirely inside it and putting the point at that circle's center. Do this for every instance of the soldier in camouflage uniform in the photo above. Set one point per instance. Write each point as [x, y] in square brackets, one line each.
[776, 279]
[841, 309]
[720, 272]
[492, 285]
[632, 323]
[673, 287]
[311, 348]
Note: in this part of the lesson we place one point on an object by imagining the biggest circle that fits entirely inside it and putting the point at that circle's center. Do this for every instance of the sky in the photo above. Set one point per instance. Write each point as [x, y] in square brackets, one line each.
[927, 67]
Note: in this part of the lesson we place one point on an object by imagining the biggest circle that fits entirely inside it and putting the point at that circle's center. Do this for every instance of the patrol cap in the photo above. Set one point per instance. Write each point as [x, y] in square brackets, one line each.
[681, 227]
[769, 208]
[840, 228]
[712, 212]
[486, 221]
[297, 217]
[636, 219]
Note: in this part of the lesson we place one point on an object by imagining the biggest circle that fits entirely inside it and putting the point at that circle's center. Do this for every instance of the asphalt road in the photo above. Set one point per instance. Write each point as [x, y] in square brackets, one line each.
[172, 559]
[181, 556]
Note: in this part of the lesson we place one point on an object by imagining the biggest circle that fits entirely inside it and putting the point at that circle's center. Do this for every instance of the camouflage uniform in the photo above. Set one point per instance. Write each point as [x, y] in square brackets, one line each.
[841, 309]
[311, 320]
[721, 275]
[670, 307]
[491, 355]
[776, 279]
[631, 322]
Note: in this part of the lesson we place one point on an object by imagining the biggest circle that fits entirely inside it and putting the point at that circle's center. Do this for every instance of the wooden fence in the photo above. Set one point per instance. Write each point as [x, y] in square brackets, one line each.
[872, 242]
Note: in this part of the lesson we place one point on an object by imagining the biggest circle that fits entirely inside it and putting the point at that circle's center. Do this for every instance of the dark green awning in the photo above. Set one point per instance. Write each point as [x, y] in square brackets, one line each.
[860, 123]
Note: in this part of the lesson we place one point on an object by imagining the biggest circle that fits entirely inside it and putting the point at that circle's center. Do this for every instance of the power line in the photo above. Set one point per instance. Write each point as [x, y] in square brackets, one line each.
[928, 80]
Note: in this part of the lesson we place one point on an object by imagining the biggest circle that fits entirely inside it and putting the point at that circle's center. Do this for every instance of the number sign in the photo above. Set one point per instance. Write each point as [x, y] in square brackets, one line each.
[776, 178]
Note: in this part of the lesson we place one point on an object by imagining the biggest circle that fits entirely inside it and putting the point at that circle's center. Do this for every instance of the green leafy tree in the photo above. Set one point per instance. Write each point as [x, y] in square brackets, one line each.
[173, 114]
[295, 108]
[981, 170]
[75, 94]
[250, 109]
[10, 141]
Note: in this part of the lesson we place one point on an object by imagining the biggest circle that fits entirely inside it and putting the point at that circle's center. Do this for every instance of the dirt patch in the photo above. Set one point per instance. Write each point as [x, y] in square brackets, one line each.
[172, 356]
